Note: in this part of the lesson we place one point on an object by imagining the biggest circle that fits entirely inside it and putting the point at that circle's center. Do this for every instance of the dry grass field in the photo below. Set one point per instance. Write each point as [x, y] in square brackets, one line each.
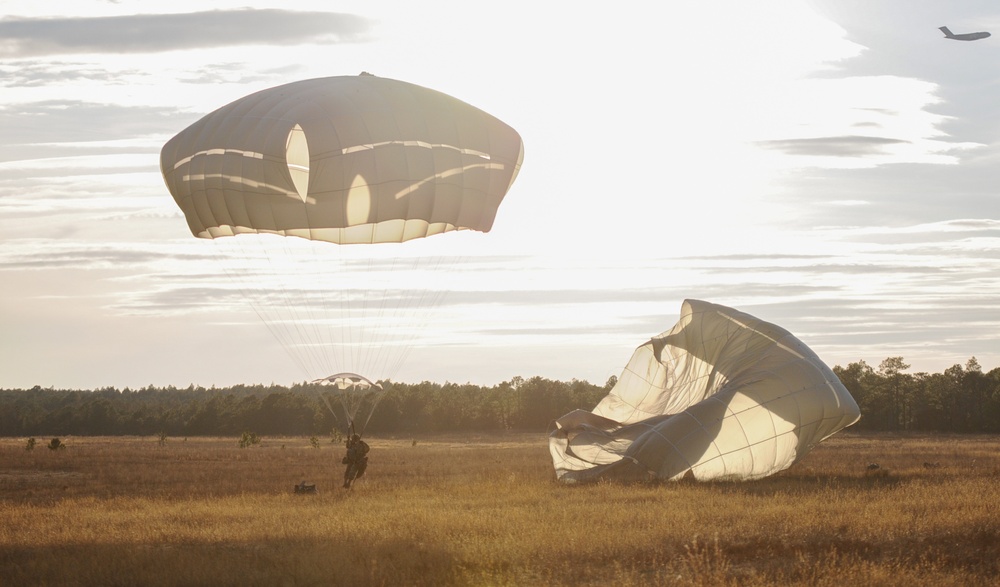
[487, 511]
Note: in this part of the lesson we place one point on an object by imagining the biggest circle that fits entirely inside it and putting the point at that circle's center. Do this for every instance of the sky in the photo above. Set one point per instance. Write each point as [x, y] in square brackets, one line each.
[831, 167]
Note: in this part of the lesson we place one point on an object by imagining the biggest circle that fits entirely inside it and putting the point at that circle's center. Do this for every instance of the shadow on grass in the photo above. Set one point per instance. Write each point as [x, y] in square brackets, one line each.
[336, 561]
[806, 484]
[779, 484]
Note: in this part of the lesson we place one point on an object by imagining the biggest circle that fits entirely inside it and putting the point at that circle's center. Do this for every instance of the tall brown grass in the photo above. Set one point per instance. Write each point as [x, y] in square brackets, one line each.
[487, 511]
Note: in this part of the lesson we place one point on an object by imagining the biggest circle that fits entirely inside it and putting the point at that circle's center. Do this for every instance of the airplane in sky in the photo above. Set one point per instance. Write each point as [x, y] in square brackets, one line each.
[963, 36]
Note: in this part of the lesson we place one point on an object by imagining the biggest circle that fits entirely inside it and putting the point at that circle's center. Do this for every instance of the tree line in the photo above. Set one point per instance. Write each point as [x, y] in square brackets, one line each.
[518, 404]
[961, 399]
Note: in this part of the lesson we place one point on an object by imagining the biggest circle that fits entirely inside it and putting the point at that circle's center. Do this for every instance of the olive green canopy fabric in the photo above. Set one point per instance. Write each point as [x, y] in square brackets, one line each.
[352, 159]
[721, 395]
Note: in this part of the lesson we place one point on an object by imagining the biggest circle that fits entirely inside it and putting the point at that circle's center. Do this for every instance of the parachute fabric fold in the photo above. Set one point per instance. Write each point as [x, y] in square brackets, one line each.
[721, 395]
[350, 159]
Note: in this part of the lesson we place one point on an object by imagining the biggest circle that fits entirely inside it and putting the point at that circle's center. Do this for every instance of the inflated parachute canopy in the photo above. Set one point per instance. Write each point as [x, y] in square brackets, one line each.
[721, 395]
[348, 381]
[353, 159]
[358, 397]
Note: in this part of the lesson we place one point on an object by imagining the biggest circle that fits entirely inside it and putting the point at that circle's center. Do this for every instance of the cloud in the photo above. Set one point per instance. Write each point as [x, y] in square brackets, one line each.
[74, 121]
[237, 73]
[935, 330]
[151, 33]
[53, 258]
[183, 300]
[580, 330]
[38, 73]
[842, 146]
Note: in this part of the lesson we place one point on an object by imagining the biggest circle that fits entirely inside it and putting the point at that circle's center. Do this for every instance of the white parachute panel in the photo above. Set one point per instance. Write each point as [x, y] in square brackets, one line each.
[722, 395]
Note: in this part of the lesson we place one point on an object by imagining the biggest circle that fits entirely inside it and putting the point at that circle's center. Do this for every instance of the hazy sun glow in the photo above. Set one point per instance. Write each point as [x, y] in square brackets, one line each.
[776, 157]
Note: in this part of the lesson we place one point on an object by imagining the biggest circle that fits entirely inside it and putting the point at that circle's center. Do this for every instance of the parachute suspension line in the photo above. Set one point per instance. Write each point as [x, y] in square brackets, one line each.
[315, 269]
[335, 355]
[241, 276]
[359, 332]
[430, 298]
[385, 301]
[382, 310]
[403, 311]
[378, 358]
[277, 297]
[362, 324]
[408, 348]
[371, 411]
[367, 326]
[328, 406]
[439, 294]
[348, 352]
[300, 322]
[376, 397]
[283, 283]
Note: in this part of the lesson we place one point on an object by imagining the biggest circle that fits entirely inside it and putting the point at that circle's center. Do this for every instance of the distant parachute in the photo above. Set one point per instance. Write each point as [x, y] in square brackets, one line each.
[722, 395]
[358, 397]
[360, 160]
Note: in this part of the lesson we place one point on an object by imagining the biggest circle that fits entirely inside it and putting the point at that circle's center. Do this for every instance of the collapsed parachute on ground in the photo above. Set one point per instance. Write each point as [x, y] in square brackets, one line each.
[722, 395]
[370, 162]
